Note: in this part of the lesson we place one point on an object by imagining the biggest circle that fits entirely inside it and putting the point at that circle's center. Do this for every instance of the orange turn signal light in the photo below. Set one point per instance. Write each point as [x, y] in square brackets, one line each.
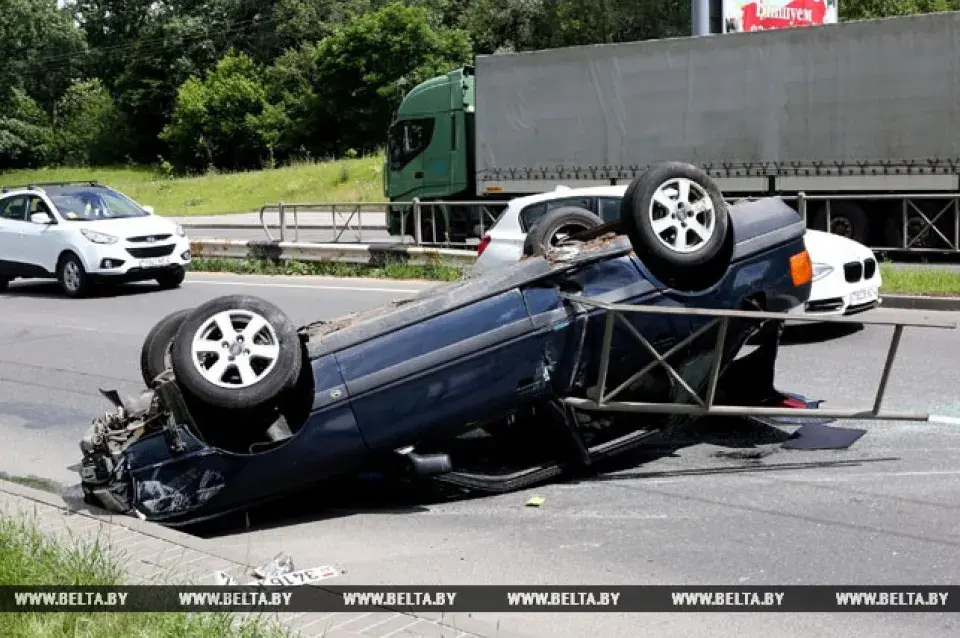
[801, 268]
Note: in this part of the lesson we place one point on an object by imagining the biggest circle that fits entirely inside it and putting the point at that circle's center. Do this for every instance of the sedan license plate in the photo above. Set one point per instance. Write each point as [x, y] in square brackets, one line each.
[153, 263]
[863, 295]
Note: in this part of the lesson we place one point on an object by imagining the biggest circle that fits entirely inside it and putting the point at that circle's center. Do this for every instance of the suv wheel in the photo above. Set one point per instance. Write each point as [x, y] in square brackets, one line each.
[73, 278]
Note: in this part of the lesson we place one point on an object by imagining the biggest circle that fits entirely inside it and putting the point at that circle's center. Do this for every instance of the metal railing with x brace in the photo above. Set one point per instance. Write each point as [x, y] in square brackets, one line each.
[705, 405]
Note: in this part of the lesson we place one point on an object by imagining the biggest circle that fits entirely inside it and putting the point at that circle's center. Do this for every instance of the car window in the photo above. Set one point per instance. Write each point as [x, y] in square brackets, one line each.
[530, 215]
[37, 205]
[93, 204]
[609, 208]
[14, 208]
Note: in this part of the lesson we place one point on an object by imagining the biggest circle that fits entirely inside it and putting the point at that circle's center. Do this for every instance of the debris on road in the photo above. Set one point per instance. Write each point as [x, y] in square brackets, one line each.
[535, 501]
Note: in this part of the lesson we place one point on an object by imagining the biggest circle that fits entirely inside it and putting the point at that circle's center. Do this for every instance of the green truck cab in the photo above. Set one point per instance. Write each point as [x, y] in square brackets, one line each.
[430, 157]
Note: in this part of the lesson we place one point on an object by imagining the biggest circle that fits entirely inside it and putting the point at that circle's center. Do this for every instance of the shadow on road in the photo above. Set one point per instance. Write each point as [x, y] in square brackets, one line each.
[51, 290]
[807, 333]
[744, 444]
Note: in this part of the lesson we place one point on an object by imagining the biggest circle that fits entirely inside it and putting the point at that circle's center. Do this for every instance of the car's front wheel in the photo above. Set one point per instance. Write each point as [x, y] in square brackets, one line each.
[73, 278]
[171, 278]
[237, 351]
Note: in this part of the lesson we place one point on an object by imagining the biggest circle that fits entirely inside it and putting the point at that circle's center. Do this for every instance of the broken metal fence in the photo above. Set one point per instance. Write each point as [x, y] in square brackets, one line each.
[706, 405]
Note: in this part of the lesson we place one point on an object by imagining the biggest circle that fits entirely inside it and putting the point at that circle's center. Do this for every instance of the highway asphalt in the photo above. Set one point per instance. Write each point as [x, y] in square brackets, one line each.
[736, 509]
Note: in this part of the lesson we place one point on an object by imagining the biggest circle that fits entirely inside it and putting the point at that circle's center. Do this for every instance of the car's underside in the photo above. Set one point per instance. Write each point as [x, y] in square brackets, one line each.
[537, 442]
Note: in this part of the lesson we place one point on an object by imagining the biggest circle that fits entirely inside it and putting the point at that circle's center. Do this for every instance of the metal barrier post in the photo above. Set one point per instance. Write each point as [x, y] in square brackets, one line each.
[283, 222]
[417, 233]
[802, 206]
[296, 224]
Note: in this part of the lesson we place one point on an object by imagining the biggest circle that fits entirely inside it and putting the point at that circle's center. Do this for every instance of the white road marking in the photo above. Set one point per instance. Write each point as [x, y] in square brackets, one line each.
[304, 286]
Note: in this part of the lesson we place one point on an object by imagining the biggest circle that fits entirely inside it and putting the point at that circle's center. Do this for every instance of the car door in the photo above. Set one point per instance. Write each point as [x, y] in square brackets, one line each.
[13, 213]
[38, 246]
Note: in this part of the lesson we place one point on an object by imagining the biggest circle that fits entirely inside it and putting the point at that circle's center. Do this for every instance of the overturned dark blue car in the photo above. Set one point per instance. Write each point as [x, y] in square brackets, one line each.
[578, 352]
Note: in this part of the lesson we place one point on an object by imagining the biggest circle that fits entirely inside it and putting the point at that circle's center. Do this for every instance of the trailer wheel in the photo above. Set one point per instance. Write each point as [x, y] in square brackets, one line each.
[846, 219]
[678, 224]
[556, 226]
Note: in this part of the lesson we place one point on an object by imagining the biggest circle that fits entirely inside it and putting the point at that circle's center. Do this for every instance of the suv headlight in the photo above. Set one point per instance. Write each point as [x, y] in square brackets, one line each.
[98, 238]
[821, 270]
[181, 231]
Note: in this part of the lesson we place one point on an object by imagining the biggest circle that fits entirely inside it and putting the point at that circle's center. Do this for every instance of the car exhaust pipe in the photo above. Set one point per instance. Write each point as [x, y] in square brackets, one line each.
[426, 464]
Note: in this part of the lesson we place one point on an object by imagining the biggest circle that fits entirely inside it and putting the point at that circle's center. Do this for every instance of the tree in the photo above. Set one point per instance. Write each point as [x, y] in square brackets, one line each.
[224, 120]
[90, 130]
[26, 139]
[40, 48]
[359, 68]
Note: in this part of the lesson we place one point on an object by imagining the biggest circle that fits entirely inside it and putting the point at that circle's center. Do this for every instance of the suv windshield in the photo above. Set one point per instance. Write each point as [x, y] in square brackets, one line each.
[92, 204]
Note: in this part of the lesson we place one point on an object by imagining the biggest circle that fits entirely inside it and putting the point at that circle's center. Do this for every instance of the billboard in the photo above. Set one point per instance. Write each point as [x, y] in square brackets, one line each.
[760, 15]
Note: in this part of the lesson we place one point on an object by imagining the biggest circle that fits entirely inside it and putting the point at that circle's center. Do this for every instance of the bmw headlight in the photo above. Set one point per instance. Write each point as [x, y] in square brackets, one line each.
[821, 270]
[98, 238]
[181, 231]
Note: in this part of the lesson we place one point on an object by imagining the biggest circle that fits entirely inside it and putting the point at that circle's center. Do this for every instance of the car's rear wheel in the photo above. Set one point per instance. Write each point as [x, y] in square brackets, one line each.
[73, 278]
[556, 227]
[678, 223]
[171, 278]
[156, 351]
[237, 351]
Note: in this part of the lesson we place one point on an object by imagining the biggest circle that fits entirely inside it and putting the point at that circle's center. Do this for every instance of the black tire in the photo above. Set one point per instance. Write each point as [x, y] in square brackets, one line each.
[552, 226]
[72, 276]
[156, 351]
[4, 282]
[281, 375]
[846, 219]
[692, 269]
[171, 278]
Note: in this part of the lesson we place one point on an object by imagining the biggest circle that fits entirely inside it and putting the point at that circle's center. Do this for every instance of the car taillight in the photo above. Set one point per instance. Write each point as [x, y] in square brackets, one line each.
[483, 245]
[801, 268]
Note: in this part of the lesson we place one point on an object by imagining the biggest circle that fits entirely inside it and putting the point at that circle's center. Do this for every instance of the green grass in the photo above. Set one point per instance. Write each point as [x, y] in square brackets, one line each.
[345, 180]
[920, 281]
[28, 557]
[389, 270]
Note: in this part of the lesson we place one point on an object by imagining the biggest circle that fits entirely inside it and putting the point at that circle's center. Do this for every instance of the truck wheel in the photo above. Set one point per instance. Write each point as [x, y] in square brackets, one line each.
[556, 226]
[237, 351]
[846, 219]
[678, 224]
[155, 353]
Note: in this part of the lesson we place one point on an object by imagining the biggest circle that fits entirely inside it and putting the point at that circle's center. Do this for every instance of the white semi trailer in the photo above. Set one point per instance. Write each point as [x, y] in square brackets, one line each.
[857, 123]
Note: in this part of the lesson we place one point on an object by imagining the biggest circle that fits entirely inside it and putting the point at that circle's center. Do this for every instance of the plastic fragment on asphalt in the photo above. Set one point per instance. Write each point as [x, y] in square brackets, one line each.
[281, 564]
[535, 501]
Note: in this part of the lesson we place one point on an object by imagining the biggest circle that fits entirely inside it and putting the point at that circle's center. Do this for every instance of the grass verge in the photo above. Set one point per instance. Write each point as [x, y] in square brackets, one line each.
[928, 282]
[389, 270]
[347, 180]
[28, 557]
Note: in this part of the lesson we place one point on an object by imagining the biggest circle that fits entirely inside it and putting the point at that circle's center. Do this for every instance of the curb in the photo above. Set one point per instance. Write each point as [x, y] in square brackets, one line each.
[370, 254]
[455, 625]
[919, 302]
[277, 227]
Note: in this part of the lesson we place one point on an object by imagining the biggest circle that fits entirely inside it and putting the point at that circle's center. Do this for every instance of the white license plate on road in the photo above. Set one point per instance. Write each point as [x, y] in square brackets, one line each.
[153, 263]
[863, 295]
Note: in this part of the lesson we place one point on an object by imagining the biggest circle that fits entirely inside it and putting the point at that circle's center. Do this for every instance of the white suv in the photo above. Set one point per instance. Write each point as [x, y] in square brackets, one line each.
[86, 233]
